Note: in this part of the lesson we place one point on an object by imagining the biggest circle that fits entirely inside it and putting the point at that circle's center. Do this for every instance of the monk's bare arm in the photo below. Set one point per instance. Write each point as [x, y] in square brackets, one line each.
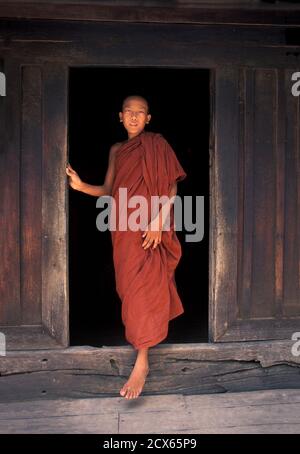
[153, 235]
[163, 212]
[110, 174]
[90, 189]
[173, 190]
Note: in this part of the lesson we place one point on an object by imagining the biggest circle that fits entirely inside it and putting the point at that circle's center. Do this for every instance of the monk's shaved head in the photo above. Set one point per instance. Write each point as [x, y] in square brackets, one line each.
[135, 98]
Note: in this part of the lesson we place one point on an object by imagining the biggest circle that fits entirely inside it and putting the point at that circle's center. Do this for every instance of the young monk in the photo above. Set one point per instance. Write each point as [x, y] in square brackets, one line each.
[145, 260]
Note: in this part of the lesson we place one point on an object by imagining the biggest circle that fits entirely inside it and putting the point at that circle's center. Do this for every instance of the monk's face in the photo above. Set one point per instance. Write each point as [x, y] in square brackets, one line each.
[134, 116]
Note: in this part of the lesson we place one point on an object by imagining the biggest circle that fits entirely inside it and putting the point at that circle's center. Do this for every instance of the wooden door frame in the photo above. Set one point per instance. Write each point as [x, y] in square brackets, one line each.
[211, 72]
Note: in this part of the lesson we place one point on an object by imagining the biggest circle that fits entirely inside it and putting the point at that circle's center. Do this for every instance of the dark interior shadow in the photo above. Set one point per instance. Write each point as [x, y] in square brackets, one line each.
[179, 104]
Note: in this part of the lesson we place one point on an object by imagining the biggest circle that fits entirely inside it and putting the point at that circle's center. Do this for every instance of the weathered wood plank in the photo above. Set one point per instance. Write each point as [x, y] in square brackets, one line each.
[254, 429]
[245, 215]
[244, 399]
[225, 199]
[281, 178]
[10, 307]
[27, 337]
[55, 309]
[257, 14]
[200, 56]
[291, 302]
[87, 424]
[270, 411]
[31, 195]
[212, 419]
[120, 359]
[72, 407]
[258, 329]
[185, 369]
[48, 31]
[263, 188]
[155, 44]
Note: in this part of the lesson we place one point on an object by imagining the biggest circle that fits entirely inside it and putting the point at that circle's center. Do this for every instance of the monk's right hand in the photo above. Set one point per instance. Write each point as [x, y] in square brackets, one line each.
[74, 180]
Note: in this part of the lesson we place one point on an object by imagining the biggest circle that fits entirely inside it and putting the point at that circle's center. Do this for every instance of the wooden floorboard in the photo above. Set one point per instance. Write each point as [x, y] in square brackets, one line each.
[267, 411]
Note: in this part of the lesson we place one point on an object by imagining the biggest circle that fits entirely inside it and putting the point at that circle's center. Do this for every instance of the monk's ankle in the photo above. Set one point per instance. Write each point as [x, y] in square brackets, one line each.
[142, 359]
[142, 363]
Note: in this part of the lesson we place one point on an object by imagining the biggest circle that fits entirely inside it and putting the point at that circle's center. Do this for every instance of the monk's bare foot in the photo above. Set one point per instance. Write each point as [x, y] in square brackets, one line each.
[133, 387]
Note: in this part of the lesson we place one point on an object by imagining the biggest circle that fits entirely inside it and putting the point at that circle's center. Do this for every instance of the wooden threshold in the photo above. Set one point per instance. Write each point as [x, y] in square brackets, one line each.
[78, 372]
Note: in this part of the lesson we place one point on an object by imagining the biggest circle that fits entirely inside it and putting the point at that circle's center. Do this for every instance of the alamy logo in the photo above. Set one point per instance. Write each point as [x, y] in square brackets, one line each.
[138, 217]
[2, 345]
[296, 346]
[2, 84]
[296, 86]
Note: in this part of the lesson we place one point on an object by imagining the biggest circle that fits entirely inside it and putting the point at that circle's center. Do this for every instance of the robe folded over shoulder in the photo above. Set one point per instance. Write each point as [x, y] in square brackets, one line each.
[146, 165]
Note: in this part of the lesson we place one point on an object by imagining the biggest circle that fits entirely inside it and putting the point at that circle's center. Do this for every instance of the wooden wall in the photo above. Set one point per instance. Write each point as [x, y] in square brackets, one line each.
[254, 152]
[34, 304]
[257, 204]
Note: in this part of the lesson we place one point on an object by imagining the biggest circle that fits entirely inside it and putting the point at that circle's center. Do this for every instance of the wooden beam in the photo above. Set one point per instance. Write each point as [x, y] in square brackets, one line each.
[110, 44]
[202, 13]
[79, 372]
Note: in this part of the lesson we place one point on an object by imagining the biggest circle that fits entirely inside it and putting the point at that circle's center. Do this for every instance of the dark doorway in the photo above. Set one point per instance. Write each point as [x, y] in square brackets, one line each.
[179, 104]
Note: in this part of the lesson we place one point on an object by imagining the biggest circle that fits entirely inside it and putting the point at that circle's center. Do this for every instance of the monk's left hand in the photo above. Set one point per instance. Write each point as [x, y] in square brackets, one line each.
[152, 237]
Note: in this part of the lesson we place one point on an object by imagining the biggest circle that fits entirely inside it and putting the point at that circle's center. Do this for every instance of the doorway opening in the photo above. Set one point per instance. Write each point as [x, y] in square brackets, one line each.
[180, 108]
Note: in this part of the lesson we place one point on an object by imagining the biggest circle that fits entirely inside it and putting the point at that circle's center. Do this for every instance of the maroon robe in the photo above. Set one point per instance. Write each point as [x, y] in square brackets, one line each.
[146, 165]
